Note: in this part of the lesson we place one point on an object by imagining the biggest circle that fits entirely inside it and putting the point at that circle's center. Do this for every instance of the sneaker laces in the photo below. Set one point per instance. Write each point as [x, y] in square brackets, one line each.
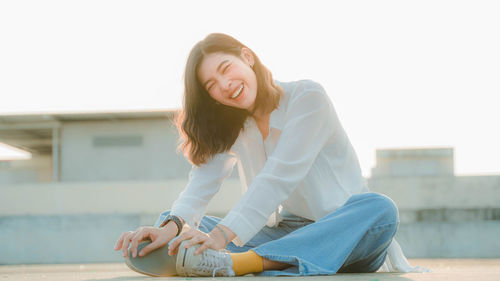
[215, 260]
[217, 268]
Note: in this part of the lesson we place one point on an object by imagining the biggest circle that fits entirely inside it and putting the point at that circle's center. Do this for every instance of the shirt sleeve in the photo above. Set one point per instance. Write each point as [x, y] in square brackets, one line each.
[395, 261]
[308, 127]
[204, 182]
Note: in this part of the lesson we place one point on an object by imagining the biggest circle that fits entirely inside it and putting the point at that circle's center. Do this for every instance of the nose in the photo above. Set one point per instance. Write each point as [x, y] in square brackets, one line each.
[225, 84]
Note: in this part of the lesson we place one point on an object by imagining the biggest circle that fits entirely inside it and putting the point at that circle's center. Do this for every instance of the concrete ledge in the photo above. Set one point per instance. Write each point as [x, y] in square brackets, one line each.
[409, 193]
[417, 193]
[105, 197]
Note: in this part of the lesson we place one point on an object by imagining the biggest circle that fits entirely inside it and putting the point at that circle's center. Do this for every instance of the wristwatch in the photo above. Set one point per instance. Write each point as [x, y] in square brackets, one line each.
[177, 221]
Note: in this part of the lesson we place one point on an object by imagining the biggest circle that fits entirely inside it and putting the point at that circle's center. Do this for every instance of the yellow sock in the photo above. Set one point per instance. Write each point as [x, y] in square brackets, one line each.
[247, 262]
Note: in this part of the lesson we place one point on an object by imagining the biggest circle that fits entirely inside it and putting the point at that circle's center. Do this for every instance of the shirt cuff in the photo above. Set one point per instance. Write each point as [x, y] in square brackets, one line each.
[186, 213]
[238, 224]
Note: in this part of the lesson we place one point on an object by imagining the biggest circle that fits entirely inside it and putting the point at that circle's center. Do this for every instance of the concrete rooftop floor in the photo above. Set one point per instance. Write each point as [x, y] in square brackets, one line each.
[443, 269]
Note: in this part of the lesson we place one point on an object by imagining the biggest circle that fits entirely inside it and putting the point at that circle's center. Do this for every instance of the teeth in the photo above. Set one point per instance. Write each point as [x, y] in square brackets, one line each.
[238, 92]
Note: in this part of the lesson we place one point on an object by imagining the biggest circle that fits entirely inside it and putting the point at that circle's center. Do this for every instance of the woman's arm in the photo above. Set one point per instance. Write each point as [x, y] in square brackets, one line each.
[190, 206]
[204, 182]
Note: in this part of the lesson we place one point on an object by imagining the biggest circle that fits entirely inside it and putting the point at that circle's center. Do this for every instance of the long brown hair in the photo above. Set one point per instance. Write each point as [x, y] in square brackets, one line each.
[206, 127]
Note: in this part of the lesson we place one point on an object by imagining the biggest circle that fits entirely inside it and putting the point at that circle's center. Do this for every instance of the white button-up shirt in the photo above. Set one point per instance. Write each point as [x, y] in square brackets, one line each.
[306, 165]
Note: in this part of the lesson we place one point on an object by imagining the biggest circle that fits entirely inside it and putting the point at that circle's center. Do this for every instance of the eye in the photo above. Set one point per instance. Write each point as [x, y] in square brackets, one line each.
[209, 87]
[226, 68]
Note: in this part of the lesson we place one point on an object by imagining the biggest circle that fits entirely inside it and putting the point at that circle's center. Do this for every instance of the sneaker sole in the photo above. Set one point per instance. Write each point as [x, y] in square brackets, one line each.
[157, 263]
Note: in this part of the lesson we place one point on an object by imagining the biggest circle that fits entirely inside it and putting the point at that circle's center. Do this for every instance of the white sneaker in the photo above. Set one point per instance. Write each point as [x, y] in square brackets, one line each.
[209, 263]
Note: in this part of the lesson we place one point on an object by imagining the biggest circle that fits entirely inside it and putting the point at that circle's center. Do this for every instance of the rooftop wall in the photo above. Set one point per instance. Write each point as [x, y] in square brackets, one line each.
[120, 151]
[414, 162]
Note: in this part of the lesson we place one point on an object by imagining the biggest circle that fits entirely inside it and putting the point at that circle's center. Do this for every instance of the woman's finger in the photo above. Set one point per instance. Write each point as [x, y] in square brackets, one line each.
[172, 247]
[173, 250]
[119, 242]
[150, 247]
[195, 240]
[126, 242]
[203, 247]
[136, 239]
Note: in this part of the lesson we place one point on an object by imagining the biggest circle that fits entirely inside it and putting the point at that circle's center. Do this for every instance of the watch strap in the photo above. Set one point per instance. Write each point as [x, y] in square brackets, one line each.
[177, 221]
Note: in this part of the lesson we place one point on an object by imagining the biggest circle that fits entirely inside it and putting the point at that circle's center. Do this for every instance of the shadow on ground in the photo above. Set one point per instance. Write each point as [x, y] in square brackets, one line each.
[344, 276]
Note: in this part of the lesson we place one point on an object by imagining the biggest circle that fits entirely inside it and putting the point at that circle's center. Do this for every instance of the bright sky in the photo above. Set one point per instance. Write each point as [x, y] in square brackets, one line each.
[400, 73]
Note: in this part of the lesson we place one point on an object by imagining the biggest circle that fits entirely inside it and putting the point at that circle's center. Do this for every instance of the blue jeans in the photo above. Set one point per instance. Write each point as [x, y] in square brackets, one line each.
[354, 238]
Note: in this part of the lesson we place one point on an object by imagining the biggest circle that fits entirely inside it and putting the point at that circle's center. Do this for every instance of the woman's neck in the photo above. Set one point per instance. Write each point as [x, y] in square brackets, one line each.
[259, 114]
[262, 121]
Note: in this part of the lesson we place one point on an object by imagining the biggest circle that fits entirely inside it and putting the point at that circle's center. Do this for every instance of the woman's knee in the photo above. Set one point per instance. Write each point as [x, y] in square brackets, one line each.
[384, 206]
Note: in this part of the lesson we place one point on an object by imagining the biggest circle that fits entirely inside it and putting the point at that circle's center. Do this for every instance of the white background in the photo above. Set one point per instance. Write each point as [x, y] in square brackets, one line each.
[400, 73]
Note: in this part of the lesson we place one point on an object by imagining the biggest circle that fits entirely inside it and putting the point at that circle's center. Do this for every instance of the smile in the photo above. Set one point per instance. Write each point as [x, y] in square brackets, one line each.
[237, 92]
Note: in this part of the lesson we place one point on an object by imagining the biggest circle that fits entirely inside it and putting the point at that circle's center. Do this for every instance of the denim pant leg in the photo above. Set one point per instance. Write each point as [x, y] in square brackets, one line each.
[358, 233]
[370, 253]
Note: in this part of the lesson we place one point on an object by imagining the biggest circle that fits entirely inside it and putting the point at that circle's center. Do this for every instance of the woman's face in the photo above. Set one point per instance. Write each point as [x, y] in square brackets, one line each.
[229, 79]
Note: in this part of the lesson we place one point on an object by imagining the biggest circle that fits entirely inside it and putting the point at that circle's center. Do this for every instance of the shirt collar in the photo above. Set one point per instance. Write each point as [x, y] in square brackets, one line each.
[277, 118]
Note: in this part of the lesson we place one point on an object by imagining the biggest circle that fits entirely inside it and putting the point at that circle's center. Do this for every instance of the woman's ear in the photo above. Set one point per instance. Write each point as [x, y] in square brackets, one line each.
[247, 56]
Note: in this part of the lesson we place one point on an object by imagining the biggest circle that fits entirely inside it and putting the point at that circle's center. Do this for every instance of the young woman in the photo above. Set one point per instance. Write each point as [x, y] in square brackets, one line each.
[306, 209]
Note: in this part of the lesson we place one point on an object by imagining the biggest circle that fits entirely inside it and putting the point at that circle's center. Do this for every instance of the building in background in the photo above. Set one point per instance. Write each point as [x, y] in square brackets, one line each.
[441, 215]
[93, 176]
[90, 147]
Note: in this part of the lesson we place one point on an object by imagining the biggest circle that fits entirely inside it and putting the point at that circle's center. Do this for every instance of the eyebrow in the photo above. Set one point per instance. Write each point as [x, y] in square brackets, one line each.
[218, 68]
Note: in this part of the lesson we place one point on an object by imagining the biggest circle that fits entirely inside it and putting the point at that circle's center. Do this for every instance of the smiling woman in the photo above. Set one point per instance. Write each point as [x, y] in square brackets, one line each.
[306, 209]
[214, 112]
[229, 79]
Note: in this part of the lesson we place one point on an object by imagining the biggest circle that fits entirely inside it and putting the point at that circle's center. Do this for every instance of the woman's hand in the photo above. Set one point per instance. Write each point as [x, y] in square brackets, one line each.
[159, 237]
[211, 240]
